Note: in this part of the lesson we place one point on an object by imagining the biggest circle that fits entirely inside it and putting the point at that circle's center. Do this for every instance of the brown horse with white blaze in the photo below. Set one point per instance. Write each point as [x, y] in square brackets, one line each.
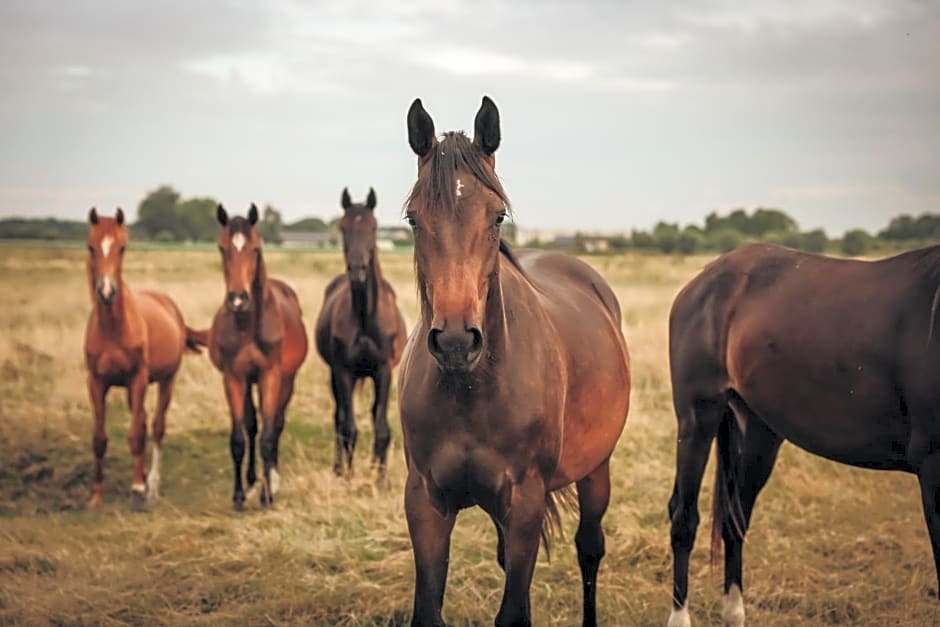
[133, 338]
[257, 338]
[838, 356]
[514, 384]
[360, 333]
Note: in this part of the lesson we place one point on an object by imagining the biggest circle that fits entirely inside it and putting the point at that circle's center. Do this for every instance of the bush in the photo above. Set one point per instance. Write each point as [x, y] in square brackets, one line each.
[690, 241]
[643, 240]
[725, 240]
[856, 242]
[814, 241]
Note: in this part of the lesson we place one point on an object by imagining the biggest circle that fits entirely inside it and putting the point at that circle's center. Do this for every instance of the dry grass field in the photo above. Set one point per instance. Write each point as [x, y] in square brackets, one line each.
[829, 544]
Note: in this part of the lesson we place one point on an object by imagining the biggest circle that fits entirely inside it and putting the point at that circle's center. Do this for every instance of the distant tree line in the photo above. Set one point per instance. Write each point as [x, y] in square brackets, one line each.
[723, 233]
[163, 215]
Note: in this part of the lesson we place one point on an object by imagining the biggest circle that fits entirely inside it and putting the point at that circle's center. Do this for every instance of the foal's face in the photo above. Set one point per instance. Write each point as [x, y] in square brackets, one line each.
[107, 239]
[358, 227]
[456, 246]
[240, 246]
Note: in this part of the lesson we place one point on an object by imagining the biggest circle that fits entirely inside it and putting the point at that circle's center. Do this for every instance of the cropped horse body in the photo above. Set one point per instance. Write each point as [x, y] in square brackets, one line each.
[840, 357]
[257, 338]
[360, 333]
[515, 382]
[133, 338]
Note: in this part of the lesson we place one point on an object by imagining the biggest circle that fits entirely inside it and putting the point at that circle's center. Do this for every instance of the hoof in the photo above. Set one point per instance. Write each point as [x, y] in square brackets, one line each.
[238, 505]
[338, 470]
[266, 498]
[95, 501]
[381, 479]
[138, 501]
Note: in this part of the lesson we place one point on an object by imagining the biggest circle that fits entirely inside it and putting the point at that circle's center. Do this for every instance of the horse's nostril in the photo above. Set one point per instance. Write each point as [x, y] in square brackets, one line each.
[434, 341]
[477, 342]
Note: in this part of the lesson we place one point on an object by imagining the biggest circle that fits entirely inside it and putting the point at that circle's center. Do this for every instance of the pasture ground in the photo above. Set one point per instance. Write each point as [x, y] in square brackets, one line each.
[829, 544]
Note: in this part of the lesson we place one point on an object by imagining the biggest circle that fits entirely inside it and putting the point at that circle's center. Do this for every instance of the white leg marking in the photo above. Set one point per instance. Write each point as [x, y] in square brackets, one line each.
[139, 487]
[106, 242]
[275, 482]
[238, 241]
[680, 618]
[733, 611]
[153, 477]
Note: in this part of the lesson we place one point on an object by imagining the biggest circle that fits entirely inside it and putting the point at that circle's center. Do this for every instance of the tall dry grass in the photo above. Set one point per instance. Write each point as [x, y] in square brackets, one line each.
[829, 544]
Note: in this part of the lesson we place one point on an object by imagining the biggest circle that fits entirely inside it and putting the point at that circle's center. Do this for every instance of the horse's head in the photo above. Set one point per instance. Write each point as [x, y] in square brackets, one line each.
[456, 209]
[240, 246]
[107, 239]
[358, 226]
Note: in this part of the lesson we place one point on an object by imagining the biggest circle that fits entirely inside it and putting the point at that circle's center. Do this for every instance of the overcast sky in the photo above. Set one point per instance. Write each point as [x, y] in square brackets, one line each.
[614, 114]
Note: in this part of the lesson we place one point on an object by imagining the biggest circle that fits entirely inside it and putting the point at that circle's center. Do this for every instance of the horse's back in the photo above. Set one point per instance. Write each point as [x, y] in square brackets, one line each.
[294, 346]
[166, 332]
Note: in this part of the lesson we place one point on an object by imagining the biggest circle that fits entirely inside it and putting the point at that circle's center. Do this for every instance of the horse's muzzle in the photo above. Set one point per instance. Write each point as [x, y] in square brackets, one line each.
[456, 351]
[238, 301]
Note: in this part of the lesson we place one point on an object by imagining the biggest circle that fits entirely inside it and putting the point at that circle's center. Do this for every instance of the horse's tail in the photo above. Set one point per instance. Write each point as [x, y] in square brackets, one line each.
[196, 338]
[556, 500]
[726, 497]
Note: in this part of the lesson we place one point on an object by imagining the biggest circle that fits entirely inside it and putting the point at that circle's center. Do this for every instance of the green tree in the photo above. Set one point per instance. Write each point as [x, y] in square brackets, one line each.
[642, 240]
[307, 224]
[725, 239]
[666, 236]
[270, 225]
[197, 219]
[690, 241]
[856, 242]
[157, 213]
[814, 241]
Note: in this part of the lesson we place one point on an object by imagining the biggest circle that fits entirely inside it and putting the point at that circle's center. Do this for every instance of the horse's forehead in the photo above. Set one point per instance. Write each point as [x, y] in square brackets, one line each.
[239, 240]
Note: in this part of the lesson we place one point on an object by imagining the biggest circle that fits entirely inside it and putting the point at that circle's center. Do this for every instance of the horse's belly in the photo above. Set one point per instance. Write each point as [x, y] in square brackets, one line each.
[852, 417]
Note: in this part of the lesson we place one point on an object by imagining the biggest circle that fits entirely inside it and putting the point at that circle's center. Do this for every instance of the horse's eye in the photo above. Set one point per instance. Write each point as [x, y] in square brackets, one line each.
[411, 221]
[121, 252]
[500, 218]
[91, 249]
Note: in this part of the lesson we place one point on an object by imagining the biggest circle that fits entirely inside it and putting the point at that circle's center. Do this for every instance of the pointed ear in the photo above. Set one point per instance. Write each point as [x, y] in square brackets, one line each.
[119, 216]
[486, 127]
[253, 215]
[93, 216]
[370, 201]
[420, 129]
[345, 200]
[221, 215]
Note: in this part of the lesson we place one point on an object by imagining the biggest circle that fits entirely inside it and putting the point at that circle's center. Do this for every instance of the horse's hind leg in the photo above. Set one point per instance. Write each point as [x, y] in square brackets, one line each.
[593, 497]
[137, 437]
[99, 442]
[757, 460]
[383, 381]
[251, 433]
[158, 430]
[698, 423]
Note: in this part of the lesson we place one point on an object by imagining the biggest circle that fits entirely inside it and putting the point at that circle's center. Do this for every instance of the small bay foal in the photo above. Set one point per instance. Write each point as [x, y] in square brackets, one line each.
[133, 338]
[257, 338]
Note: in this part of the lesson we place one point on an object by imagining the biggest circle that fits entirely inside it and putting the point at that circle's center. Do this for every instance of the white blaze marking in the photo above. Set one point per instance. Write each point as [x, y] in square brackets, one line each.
[153, 477]
[459, 187]
[106, 243]
[733, 611]
[107, 287]
[238, 241]
[680, 618]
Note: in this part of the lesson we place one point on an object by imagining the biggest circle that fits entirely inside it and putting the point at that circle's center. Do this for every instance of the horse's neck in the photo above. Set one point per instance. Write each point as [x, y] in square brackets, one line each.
[113, 318]
[365, 298]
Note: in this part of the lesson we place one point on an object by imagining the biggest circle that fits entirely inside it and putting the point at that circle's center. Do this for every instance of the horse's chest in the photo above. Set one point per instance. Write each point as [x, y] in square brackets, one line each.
[465, 469]
[244, 360]
[116, 363]
[364, 353]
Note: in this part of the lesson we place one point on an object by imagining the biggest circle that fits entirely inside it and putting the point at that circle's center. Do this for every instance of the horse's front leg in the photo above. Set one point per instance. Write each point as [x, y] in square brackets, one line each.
[99, 441]
[235, 390]
[430, 541]
[383, 382]
[269, 384]
[137, 436]
[522, 531]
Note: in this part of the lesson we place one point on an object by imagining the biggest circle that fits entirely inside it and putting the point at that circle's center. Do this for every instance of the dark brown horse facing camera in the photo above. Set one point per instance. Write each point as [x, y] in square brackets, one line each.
[515, 382]
[360, 333]
[133, 338]
[257, 338]
[839, 357]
